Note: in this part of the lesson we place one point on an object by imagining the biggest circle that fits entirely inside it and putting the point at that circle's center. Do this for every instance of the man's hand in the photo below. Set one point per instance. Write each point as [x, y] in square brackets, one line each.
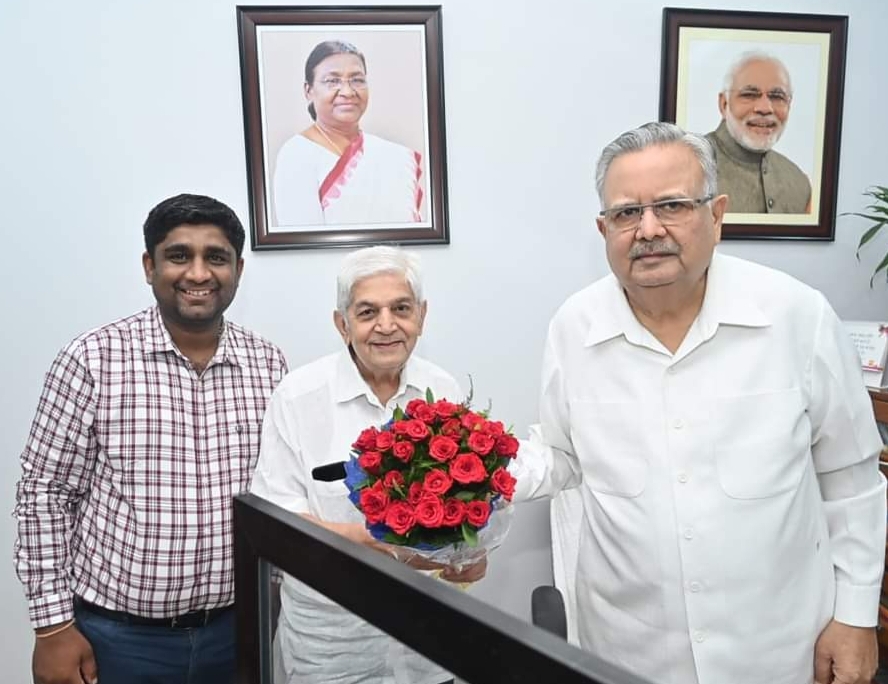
[845, 654]
[64, 658]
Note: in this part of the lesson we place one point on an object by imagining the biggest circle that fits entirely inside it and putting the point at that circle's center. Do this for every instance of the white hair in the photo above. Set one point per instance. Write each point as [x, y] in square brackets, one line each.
[372, 261]
[658, 133]
[747, 58]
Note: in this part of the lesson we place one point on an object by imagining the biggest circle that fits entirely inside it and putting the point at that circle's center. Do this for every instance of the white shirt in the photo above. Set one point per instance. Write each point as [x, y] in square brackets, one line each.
[315, 414]
[732, 503]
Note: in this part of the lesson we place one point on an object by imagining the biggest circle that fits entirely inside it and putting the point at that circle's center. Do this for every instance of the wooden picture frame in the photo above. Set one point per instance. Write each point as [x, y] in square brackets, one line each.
[311, 184]
[700, 90]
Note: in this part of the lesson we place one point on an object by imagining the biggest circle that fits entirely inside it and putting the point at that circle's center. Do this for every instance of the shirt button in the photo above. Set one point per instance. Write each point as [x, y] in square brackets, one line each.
[682, 477]
[688, 533]
[678, 424]
[671, 370]
[770, 202]
[699, 636]
[695, 586]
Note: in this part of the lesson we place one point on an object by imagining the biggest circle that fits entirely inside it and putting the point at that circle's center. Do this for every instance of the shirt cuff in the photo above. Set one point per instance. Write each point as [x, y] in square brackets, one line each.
[857, 606]
[50, 609]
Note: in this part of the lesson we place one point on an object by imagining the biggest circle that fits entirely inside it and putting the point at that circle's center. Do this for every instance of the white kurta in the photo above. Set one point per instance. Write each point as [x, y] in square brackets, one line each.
[731, 497]
[315, 414]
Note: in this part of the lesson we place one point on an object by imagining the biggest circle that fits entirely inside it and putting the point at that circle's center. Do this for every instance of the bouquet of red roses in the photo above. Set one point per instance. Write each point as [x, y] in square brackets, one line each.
[435, 479]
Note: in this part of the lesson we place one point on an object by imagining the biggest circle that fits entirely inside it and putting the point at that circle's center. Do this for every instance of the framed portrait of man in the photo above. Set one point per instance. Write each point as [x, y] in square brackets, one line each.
[344, 125]
[766, 89]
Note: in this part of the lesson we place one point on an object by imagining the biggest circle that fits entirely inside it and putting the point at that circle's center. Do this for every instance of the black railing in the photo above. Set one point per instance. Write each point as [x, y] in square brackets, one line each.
[472, 639]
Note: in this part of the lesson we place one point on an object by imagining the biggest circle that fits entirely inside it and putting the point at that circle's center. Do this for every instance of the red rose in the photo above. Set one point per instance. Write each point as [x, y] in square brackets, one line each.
[399, 427]
[506, 445]
[477, 513]
[430, 512]
[414, 404]
[417, 430]
[370, 461]
[400, 517]
[442, 448]
[481, 443]
[454, 513]
[494, 428]
[445, 409]
[414, 493]
[425, 413]
[437, 482]
[502, 481]
[393, 479]
[471, 420]
[403, 451]
[467, 468]
[366, 440]
[384, 440]
[451, 427]
[374, 502]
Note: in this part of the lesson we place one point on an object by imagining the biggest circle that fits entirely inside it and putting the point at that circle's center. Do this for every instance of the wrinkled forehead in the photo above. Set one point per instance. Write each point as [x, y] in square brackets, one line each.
[381, 289]
[762, 74]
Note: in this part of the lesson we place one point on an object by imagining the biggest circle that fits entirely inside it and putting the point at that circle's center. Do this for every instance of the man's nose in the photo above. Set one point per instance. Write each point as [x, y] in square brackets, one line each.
[385, 321]
[199, 270]
[650, 225]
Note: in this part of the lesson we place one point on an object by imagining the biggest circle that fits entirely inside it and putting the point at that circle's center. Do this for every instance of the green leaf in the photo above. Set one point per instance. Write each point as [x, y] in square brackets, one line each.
[470, 534]
[869, 235]
[882, 264]
[430, 398]
[398, 413]
[465, 496]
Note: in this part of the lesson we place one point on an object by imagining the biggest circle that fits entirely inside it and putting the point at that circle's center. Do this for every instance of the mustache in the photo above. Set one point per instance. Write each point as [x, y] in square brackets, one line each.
[660, 246]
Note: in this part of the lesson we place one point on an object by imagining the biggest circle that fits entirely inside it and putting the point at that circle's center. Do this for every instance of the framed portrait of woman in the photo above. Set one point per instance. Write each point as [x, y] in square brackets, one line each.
[344, 125]
[766, 90]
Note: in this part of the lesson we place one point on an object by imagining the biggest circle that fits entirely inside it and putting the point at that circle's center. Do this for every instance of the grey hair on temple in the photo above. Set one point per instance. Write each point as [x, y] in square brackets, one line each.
[372, 261]
[653, 134]
[747, 58]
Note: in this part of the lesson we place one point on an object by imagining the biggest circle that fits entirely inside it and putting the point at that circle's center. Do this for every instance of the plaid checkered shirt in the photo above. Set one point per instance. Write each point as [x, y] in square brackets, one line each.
[130, 466]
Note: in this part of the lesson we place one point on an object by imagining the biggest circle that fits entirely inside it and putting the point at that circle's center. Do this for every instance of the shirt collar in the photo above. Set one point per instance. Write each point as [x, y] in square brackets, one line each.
[725, 303]
[157, 340]
[349, 384]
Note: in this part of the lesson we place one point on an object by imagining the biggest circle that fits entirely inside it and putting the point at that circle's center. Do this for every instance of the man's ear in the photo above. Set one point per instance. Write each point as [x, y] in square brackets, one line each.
[341, 325]
[719, 206]
[722, 104]
[602, 227]
[423, 310]
[240, 269]
[148, 267]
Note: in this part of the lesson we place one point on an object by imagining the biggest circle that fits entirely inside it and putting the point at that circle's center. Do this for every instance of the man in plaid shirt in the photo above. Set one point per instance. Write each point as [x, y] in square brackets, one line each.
[145, 429]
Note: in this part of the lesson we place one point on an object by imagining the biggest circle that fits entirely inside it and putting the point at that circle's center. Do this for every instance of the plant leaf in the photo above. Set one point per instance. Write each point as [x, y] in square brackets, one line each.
[470, 534]
[882, 264]
[430, 398]
[869, 235]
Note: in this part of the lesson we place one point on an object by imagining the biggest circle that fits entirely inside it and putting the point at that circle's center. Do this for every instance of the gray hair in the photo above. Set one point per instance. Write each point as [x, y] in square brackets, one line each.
[658, 133]
[372, 261]
[747, 58]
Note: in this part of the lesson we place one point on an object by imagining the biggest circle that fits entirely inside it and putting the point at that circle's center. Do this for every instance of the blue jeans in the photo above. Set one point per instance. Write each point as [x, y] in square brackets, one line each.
[134, 654]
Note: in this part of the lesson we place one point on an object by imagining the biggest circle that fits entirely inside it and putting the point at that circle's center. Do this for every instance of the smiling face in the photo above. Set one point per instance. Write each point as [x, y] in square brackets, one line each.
[194, 274]
[757, 123]
[382, 324]
[654, 256]
[338, 97]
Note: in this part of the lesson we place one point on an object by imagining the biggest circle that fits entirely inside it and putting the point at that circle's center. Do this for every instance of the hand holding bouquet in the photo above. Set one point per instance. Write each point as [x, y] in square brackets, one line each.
[434, 479]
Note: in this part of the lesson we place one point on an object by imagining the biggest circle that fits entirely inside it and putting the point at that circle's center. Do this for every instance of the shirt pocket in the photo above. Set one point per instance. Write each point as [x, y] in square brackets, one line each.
[763, 444]
[242, 446]
[332, 503]
[605, 438]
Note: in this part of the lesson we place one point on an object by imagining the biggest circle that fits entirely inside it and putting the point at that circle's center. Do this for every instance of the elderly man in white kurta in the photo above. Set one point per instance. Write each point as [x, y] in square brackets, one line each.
[713, 415]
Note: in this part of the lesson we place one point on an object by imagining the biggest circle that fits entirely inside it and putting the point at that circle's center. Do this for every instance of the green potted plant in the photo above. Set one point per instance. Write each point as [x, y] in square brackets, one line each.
[878, 214]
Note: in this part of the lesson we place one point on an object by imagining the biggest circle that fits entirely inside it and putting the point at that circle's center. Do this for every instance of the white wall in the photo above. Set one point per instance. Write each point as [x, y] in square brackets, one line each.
[110, 106]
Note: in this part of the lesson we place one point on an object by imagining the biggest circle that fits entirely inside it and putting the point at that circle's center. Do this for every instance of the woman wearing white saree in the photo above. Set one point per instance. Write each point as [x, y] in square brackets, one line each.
[333, 172]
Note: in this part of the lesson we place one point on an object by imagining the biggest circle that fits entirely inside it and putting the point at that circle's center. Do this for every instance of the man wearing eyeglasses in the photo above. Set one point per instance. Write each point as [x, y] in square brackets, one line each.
[755, 106]
[711, 414]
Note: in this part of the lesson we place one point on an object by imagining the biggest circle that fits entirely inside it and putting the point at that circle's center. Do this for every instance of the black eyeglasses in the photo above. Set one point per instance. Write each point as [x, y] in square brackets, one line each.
[669, 212]
[336, 83]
